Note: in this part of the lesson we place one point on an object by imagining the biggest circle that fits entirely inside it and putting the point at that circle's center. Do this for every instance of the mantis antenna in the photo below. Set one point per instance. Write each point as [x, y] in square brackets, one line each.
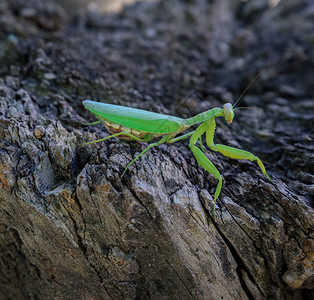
[248, 87]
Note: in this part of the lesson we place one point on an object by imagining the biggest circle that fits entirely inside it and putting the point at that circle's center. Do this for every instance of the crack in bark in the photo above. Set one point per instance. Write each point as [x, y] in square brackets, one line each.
[162, 233]
[81, 244]
[241, 265]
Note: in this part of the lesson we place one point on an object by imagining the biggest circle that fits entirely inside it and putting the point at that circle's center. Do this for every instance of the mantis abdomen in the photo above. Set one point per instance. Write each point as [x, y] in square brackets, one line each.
[115, 128]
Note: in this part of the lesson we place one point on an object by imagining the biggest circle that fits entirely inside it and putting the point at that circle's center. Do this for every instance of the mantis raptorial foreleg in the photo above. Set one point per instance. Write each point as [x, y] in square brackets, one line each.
[230, 151]
[203, 160]
[239, 154]
[201, 144]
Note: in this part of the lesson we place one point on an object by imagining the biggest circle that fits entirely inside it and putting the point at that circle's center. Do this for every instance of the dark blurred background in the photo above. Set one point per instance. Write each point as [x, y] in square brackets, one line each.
[71, 6]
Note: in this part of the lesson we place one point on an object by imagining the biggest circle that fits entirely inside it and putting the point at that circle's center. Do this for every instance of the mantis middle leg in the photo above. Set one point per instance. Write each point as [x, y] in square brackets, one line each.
[173, 140]
[163, 140]
[230, 151]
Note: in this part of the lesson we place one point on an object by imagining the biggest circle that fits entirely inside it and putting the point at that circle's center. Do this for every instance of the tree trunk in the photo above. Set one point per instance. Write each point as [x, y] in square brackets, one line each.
[72, 228]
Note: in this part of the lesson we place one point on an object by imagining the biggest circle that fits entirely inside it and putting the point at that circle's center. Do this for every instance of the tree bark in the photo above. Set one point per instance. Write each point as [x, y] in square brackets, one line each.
[72, 228]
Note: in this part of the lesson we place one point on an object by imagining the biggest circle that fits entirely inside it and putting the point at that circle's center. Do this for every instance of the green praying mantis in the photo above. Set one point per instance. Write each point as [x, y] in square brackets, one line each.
[144, 126]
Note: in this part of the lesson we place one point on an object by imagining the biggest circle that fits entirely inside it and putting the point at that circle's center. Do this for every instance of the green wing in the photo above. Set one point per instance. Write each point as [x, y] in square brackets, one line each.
[135, 118]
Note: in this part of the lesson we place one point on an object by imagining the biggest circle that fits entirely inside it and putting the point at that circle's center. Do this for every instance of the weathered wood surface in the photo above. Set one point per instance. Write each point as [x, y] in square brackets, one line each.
[71, 228]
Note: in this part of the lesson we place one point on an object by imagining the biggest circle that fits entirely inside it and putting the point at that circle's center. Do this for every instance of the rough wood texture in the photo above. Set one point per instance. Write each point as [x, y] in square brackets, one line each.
[70, 228]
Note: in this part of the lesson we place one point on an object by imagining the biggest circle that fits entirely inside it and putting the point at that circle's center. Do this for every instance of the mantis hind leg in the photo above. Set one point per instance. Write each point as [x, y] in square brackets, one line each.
[92, 123]
[114, 135]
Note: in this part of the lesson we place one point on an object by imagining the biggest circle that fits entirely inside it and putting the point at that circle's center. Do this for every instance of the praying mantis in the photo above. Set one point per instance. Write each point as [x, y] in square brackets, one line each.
[143, 126]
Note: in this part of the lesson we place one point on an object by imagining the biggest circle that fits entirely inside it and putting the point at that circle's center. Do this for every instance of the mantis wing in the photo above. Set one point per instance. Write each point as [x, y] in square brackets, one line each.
[135, 118]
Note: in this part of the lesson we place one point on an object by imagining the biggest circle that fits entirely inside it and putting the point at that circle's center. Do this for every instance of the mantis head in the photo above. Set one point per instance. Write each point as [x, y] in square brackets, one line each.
[228, 112]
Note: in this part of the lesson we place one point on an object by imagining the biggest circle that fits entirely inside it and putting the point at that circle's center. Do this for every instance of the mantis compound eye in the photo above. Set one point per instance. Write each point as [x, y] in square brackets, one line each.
[228, 112]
